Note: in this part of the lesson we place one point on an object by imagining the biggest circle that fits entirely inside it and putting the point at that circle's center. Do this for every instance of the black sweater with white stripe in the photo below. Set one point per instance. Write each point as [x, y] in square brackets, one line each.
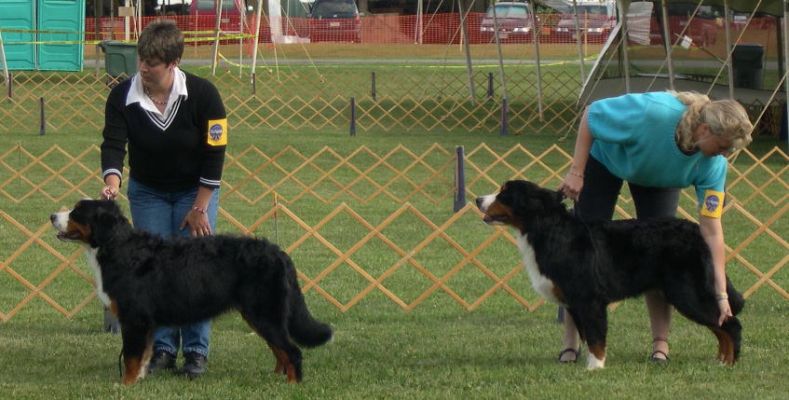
[179, 153]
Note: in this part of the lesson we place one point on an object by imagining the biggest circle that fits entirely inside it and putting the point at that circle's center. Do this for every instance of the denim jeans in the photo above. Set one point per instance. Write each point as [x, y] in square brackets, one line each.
[161, 213]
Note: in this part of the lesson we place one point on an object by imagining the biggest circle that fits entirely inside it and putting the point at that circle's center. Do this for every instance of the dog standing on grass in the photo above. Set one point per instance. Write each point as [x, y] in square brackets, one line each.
[586, 266]
[149, 281]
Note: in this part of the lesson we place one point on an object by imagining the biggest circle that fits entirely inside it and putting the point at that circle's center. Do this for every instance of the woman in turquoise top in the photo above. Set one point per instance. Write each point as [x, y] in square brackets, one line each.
[658, 143]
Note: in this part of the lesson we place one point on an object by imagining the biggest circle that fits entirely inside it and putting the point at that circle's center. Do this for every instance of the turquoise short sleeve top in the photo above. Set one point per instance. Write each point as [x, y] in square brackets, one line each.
[634, 138]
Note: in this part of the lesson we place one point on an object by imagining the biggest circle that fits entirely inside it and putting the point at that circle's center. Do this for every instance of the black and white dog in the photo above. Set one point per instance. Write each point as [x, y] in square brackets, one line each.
[586, 266]
[148, 281]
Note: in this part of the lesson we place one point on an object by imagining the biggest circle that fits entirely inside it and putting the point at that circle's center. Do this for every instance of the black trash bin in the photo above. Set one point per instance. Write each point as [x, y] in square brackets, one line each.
[119, 58]
[748, 65]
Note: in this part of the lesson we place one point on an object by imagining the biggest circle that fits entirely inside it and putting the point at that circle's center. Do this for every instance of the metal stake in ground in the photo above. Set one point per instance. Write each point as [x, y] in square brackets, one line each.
[353, 116]
[460, 179]
[42, 130]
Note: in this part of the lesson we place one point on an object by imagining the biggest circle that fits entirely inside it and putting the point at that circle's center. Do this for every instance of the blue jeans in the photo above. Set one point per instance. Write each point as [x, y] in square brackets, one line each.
[161, 213]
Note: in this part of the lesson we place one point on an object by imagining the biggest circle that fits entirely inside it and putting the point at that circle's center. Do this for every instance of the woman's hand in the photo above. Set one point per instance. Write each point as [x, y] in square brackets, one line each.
[197, 221]
[112, 184]
[572, 185]
[725, 309]
[109, 192]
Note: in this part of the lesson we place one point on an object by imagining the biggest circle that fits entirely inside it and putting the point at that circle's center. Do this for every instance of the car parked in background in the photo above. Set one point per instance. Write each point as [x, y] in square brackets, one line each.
[335, 21]
[514, 21]
[596, 18]
[203, 14]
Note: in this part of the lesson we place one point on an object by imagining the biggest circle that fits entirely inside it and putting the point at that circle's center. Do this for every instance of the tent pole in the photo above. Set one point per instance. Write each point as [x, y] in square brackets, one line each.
[217, 26]
[578, 41]
[535, 39]
[727, 19]
[467, 50]
[498, 51]
[623, 46]
[5, 63]
[257, 39]
[667, 43]
[785, 27]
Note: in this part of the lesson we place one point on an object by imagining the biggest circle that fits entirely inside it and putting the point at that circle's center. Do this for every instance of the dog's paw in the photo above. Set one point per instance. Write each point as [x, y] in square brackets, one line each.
[593, 363]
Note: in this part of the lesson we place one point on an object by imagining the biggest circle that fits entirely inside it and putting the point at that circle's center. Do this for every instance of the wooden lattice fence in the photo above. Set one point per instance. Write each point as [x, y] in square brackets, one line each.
[365, 223]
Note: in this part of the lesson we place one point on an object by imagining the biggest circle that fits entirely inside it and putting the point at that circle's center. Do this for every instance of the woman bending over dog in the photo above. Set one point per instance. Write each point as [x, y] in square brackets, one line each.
[659, 143]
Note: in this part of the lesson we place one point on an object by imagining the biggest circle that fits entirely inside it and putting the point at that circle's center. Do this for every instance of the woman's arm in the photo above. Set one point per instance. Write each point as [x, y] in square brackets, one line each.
[113, 145]
[574, 180]
[712, 231]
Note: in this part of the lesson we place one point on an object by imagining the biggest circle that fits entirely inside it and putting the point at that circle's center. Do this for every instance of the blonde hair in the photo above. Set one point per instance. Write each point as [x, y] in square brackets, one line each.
[726, 118]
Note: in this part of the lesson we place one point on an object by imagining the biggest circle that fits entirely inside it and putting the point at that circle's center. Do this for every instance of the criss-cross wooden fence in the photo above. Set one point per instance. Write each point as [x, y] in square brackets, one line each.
[365, 226]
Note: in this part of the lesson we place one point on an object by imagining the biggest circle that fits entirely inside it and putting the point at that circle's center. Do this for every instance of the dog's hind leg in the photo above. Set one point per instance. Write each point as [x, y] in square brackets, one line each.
[729, 340]
[136, 343]
[281, 357]
[702, 308]
[288, 356]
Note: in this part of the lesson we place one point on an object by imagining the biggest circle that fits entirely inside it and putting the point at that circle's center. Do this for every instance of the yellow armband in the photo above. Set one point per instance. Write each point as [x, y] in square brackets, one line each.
[217, 132]
[713, 204]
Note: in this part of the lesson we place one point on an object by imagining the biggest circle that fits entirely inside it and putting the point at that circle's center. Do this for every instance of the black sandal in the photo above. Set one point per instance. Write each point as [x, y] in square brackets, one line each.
[654, 356]
[575, 352]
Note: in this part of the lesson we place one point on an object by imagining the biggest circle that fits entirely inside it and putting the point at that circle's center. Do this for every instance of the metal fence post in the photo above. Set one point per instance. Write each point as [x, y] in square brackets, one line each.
[460, 179]
[504, 130]
[373, 84]
[353, 116]
[254, 83]
[42, 130]
[490, 84]
[10, 85]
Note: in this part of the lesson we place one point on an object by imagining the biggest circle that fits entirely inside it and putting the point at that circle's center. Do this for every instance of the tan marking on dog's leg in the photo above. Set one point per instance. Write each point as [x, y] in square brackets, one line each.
[114, 307]
[291, 371]
[284, 365]
[725, 346]
[596, 359]
[721, 343]
[132, 371]
[558, 294]
[146, 356]
[279, 355]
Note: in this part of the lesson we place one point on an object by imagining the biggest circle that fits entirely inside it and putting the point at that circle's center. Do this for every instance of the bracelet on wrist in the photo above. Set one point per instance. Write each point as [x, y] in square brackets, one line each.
[199, 209]
[722, 296]
[577, 174]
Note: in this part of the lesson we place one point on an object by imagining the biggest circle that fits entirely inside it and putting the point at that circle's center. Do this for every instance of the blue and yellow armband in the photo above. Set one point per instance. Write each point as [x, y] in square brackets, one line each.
[713, 204]
[217, 132]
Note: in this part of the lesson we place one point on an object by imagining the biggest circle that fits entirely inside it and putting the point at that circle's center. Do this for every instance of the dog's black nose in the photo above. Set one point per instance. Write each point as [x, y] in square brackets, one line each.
[478, 201]
[52, 217]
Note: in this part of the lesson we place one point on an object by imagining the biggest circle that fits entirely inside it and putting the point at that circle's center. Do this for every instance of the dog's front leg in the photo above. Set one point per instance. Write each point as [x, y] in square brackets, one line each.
[593, 322]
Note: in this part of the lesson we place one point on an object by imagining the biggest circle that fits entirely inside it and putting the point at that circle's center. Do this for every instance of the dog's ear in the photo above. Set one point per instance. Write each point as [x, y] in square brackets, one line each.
[106, 222]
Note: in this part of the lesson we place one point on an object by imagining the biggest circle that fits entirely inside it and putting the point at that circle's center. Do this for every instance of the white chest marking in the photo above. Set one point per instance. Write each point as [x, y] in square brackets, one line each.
[90, 254]
[539, 282]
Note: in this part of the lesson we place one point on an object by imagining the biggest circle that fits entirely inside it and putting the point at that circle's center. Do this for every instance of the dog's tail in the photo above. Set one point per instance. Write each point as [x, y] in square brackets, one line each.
[303, 328]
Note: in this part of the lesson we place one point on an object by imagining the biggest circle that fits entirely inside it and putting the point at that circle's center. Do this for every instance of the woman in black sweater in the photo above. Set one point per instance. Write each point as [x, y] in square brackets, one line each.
[174, 127]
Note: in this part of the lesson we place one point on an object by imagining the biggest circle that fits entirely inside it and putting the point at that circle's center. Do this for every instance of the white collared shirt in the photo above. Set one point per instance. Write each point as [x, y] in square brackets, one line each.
[161, 119]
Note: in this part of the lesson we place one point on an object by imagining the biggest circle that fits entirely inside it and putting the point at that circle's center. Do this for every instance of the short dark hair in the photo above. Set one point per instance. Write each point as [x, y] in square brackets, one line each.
[161, 40]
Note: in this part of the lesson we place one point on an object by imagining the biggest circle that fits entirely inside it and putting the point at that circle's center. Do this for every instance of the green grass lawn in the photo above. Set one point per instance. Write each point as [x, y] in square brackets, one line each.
[439, 350]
